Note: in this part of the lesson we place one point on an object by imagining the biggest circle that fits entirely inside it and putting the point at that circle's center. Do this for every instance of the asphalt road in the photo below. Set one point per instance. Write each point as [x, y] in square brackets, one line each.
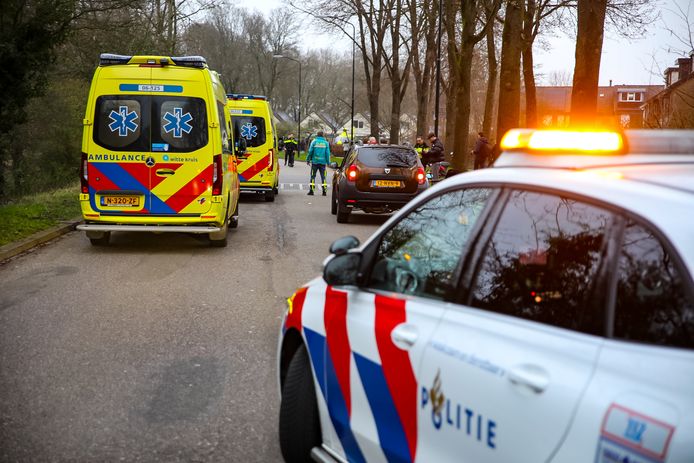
[158, 347]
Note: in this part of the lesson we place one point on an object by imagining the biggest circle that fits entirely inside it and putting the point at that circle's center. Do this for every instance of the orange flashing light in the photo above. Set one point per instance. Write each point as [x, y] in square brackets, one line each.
[581, 142]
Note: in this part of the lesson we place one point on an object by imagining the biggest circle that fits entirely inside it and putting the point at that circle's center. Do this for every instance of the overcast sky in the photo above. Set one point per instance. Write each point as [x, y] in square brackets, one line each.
[641, 61]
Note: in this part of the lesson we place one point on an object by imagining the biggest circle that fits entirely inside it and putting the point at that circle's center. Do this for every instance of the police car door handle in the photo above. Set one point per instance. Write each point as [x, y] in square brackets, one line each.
[530, 377]
[404, 336]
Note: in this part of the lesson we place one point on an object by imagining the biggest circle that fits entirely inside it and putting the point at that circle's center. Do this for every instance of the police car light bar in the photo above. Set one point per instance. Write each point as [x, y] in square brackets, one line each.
[565, 141]
[243, 96]
[189, 61]
[108, 59]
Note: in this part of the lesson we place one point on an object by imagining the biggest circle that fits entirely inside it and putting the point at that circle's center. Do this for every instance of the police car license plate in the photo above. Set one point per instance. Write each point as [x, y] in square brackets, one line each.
[121, 201]
[387, 183]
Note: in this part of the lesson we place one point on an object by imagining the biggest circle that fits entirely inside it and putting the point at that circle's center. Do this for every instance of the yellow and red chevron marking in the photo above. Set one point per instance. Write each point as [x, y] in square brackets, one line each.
[248, 169]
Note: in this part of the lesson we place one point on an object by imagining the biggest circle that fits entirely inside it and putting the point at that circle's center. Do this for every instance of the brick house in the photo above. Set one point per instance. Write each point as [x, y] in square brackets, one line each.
[618, 105]
[673, 107]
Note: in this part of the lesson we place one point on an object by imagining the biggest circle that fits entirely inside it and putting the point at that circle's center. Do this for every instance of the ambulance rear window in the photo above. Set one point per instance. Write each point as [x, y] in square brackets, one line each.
[181, 124]
[251, 128]
[120, 124]
[150, 123]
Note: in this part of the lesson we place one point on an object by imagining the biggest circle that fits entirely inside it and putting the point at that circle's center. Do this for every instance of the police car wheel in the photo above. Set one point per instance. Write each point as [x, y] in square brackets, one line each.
[270, 196]
[299, 420]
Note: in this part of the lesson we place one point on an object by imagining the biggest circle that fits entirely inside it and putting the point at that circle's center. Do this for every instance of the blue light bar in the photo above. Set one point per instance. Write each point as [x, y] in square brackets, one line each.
[243, 96]
[108, 59]
[189, 61]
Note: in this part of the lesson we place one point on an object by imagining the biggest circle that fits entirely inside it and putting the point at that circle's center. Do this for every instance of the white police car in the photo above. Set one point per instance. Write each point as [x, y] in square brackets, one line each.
[541, 310]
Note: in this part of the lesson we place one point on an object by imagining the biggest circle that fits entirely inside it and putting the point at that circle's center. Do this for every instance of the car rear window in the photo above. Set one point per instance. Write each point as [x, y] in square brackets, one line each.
[387, 157]
[251, 128]
[146, 123]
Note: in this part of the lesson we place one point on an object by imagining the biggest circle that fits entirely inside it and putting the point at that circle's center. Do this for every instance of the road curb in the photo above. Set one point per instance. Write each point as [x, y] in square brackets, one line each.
[13, 249]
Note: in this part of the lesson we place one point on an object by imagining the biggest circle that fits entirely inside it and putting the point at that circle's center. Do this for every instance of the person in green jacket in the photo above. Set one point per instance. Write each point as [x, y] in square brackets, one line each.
[318, 157]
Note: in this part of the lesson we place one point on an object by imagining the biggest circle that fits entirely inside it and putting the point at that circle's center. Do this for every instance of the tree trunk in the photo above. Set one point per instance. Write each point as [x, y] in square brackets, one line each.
[509, 79]
[591, 26]
[528, 71]
[489, 98]
[396, 103]
[461, 150]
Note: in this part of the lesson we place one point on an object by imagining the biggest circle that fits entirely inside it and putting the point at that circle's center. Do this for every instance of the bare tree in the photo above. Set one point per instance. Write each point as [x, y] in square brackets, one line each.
[509, 80]
[422, 17]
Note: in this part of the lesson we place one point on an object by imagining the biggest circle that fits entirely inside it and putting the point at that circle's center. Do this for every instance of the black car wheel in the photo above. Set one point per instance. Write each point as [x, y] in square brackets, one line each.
[342, 213]
[299, 420]
[333, 202]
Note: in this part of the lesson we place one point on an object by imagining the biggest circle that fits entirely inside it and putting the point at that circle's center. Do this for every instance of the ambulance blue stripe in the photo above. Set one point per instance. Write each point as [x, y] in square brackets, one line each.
[242, 178]
[114, 172]
[391, 433]
[337, 407]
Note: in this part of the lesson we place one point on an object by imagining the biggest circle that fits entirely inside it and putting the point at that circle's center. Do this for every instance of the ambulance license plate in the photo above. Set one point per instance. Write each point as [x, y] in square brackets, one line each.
[387, 183]
[120, 201]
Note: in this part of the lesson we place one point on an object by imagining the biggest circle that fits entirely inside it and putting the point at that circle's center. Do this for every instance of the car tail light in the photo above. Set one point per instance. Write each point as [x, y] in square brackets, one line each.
[421, 176]
[271, 152]
[217, 175]
[84, 174]
[352, 172]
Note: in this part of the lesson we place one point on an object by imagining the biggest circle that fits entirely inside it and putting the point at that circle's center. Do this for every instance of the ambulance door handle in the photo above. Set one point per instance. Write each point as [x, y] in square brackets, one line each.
[404, 336]
[165, 172]
[531, 377]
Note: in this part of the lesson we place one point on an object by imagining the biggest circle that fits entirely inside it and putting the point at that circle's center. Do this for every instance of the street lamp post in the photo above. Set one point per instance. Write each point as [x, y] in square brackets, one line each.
[298, 132]
[331, 20]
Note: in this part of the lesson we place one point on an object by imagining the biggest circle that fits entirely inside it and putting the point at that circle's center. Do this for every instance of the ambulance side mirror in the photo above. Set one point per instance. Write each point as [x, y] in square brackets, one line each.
[343, 269]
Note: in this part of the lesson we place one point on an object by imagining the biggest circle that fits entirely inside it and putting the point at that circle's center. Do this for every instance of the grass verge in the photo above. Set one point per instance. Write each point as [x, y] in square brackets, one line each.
[30, 214]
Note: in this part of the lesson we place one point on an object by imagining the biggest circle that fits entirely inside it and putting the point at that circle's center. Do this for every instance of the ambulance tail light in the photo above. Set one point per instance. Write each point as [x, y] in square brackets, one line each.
[217, 175]
[421, 176]
[352, 172]
[84, 174]
[271, 153]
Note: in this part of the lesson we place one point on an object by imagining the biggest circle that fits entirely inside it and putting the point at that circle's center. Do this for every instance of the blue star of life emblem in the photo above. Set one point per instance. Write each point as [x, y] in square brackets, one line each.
[123, 121]
[177, 122]
[249, 131]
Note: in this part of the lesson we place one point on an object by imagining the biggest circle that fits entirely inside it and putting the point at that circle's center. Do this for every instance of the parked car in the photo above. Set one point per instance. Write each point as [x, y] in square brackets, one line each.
[376, 179]
[540, 310]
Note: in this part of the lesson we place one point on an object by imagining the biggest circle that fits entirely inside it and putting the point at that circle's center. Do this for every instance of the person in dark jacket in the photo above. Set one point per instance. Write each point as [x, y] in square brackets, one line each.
[435, 153]
[290, 147]
[482, 151]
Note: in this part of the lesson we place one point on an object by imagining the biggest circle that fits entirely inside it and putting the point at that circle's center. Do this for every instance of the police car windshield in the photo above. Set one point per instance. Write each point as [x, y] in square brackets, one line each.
[387, 157]
[251, 128]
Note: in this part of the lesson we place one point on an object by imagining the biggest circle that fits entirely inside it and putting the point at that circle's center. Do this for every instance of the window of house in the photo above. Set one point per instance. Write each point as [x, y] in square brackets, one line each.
[358, 124]
[541, 262]
[652, 305]
[630, 96]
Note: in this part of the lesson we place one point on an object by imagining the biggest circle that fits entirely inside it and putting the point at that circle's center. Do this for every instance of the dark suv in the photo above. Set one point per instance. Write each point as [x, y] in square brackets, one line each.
[376, 179]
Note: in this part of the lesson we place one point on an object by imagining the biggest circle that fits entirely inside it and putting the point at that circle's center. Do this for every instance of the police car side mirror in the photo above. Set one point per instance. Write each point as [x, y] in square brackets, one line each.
[342, 269]
[344, 244]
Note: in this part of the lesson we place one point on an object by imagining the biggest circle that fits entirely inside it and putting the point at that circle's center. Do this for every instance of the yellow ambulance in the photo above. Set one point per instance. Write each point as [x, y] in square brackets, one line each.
[157, 152]
[259, 169]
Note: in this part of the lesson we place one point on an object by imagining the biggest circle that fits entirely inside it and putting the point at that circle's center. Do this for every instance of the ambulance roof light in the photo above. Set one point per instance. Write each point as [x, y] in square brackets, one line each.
[189, 61]
[591, 142]
[108, 59]
[243, 96]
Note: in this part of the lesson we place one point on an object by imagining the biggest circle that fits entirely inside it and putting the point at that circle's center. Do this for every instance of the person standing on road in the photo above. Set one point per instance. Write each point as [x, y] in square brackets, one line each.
[481, 151]
[290, 147]
[434, 156]
[318, 157]
[420, 147]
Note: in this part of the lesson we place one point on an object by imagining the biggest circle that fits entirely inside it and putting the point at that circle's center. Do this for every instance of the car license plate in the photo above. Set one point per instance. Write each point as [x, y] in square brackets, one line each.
[387, 183]
[120, 201]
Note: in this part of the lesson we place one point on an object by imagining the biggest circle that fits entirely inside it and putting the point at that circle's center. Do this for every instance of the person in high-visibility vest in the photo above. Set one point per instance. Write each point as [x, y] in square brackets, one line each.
[318, 157]
[290, 147]
[420, 146]
[342, 138]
